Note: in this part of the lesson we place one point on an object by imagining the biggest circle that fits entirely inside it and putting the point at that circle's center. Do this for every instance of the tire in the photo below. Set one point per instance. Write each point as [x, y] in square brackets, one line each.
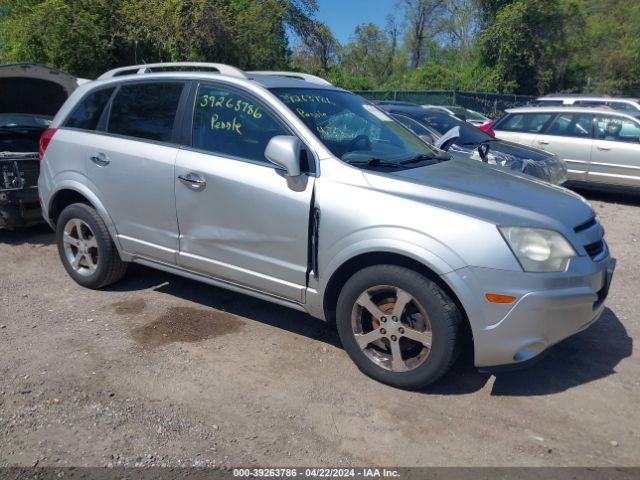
[425, 309]
[89, 257]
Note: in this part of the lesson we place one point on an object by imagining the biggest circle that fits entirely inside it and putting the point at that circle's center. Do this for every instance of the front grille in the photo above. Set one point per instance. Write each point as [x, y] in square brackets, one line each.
[594, 249]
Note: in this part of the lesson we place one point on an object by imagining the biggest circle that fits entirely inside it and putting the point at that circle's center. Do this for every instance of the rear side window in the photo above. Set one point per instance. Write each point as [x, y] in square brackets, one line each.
[87, 114]
[232, 124]
[571, 125]
[524, 122]
[145, 110]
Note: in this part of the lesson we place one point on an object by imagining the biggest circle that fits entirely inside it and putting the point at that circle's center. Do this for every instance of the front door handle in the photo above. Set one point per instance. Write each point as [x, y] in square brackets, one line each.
[193, 181]
[543, 142]
[100, 159]
[604, 147]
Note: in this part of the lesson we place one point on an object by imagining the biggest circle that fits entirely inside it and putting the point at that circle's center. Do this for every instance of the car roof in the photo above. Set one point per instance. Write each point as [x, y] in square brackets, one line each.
[565, 109]
[218, 71]
[581, 96]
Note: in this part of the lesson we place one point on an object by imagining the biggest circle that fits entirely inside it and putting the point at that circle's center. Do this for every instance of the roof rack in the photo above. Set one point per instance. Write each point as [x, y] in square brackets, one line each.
[150, 67]
[297, 75]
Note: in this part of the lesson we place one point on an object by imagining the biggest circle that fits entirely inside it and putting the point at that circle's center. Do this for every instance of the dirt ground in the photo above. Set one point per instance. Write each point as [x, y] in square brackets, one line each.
[160, 370]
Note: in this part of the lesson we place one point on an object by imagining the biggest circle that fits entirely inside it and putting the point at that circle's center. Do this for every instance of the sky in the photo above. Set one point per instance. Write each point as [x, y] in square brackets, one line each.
[342, 16]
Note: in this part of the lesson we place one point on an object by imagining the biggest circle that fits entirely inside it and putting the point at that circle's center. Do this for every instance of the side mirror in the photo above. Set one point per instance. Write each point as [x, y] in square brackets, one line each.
[284, 151]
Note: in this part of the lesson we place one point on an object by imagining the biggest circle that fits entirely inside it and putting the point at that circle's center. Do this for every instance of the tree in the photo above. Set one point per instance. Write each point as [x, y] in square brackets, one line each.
[526, 47]
[371, 53]
[423, 20]
[318, 50]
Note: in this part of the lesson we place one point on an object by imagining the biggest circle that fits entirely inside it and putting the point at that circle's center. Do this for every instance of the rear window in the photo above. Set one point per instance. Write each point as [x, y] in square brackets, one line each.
[145, 110]
[87, 114]
[524, 122]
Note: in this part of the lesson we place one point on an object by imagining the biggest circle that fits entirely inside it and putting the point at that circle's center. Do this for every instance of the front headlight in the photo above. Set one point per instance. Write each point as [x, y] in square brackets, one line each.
[538, 249]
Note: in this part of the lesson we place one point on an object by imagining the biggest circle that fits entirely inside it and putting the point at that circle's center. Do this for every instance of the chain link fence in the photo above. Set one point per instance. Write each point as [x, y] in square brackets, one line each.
[490, 104]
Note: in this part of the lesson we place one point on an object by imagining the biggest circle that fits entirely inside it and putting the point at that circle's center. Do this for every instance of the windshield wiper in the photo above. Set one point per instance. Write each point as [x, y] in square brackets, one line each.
[375, 162]
[429, 159]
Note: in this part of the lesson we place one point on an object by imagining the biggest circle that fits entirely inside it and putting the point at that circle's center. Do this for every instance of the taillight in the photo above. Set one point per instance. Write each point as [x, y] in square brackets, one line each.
[487, 128]
[45, 140]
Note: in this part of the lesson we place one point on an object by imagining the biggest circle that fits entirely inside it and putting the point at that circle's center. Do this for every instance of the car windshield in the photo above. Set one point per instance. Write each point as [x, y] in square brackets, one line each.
[20, 120]
[443, 122]
[356, 131]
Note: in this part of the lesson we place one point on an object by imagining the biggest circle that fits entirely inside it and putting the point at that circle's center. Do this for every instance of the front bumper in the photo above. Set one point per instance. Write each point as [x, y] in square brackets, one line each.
[548, 309]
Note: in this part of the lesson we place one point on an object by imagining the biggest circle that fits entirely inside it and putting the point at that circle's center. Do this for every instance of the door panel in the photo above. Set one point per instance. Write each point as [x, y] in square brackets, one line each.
[616, 151]
[569, 137]
[135, 182]
[576, 152]
[239, 221]
[245, 226]
[132, 168]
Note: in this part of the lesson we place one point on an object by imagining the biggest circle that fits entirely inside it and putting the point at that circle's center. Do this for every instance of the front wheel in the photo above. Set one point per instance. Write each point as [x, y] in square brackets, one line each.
[398, 326]
[86, 249]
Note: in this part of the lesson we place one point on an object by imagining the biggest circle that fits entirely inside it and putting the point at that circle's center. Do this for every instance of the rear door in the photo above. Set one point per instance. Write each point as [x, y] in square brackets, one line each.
[568, 135]
[239, 220]
[615, 156]
[130, 167]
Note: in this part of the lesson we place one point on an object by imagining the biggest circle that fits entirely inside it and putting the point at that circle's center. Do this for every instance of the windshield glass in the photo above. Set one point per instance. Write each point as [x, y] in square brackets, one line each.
[354, 130]
[442, 123]
[20, 120]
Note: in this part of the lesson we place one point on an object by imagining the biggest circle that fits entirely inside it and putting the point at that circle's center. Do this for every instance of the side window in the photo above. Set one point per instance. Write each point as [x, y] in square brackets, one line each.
[87, 114]
[617, 129]
[571, 125]
[525, 122]
[232, 124]
[145, 110]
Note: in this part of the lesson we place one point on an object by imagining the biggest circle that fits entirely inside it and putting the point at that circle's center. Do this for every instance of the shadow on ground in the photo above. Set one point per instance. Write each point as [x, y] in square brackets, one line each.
[583, 358]
[141, 278]
[36, 235]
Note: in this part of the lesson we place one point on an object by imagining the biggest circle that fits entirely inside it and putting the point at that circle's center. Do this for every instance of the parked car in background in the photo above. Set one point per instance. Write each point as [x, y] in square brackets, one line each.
[30, 95]
[600, 145]
[308, 196]
[474, 118]
[630, 105]
[471, 142]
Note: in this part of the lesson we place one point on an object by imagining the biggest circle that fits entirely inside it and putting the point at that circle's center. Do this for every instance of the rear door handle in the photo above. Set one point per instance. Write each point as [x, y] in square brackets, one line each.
[604, 147]
[100, 159]
[193, 181]
[543, 142]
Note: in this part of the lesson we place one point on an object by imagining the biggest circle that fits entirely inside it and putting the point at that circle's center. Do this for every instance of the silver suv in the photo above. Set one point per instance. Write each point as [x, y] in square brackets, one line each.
[286, 188]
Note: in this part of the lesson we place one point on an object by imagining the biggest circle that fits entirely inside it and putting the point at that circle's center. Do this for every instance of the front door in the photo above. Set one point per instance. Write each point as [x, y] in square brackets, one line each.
[239, 221]
[615, 156]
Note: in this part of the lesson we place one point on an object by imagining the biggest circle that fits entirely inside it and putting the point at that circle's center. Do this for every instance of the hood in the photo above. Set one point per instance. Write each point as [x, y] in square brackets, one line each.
[514, 149]
[488, 192]
[34, 89]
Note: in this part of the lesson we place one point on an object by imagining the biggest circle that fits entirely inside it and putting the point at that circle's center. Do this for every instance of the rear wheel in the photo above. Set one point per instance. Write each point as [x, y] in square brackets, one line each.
[398, 326]
[86, 249]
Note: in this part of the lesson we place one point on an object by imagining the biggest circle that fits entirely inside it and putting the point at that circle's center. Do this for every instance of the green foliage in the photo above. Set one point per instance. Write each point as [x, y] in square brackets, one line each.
[86, 37]
[508, 46]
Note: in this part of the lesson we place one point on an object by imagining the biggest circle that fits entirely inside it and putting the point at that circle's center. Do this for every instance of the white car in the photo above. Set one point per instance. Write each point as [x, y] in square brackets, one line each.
[630, 105]
[599, 145]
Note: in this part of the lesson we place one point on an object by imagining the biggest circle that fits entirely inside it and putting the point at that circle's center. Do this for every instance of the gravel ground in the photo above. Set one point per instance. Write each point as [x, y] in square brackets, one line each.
[160, 370]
